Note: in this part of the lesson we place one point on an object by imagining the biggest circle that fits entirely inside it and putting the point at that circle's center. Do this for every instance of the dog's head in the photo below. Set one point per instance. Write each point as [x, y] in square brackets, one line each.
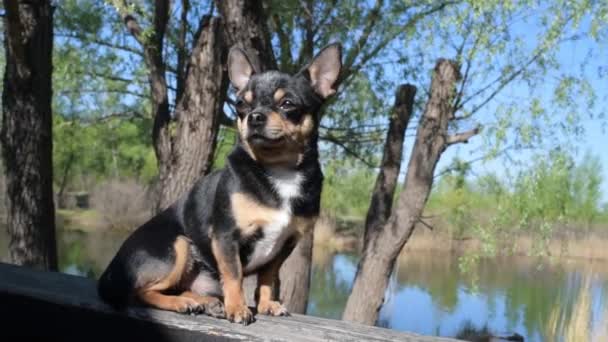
[278, 113]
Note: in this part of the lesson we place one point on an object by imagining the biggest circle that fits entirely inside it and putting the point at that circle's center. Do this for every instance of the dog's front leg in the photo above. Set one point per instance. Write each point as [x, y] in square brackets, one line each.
[226, 252]
[268, 279]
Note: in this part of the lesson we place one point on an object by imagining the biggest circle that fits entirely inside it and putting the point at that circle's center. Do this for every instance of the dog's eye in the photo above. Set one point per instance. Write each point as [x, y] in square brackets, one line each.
[241, 106]
[287, 105]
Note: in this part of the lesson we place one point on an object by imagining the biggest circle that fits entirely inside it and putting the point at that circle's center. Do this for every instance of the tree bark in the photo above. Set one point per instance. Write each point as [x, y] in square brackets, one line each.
[385, 244]
[193, 143]
[27, 132]
[184, 144]
[384, 189]
[294, 276]
[245, 23]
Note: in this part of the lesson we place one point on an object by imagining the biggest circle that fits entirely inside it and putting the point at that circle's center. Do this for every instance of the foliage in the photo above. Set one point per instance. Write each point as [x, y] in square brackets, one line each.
[347, 188]
[554, 193]
[86, 152]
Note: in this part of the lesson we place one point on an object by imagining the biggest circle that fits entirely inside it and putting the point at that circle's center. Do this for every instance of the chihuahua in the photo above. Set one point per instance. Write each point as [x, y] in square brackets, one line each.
[243, 219]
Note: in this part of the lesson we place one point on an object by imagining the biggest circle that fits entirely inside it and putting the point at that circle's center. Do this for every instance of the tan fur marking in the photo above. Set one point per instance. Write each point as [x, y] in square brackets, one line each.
[275, 122]
[249, 214]
[248, 96]
[232, 285]
[301, 132]
[242, 128]
[266, 280]
[199, 298]
[182, 254]
[278, 94]
[165, 302]
[306, 126]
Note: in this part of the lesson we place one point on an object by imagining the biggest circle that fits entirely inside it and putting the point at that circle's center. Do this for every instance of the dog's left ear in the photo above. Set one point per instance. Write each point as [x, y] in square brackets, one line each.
[324, 70]
[240, 68]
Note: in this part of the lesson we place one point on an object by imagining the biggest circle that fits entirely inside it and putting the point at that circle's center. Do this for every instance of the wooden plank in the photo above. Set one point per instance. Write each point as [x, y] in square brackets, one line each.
[49, 305]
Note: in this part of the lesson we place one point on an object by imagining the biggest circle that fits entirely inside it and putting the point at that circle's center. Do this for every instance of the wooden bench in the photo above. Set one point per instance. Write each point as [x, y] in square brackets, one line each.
[48, 306]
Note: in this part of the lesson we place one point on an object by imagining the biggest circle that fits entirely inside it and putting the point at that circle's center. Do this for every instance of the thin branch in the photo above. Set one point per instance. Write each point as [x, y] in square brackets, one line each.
[105, 76]
[93, 120]
[503, 81]
[323, 21]
[284, 43]
[347, 150]
[94, 40]
[430, 227]
[380, 46]
[371, 19]
[471, 161]
[182, 54]
[102, 91]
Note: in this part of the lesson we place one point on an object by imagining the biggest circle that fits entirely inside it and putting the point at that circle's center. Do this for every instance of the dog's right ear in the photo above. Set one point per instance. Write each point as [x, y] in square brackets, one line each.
[240, 68]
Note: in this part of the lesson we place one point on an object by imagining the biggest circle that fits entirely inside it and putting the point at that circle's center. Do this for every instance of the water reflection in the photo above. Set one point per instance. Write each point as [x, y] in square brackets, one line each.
[429, 295]
[559, 301]
[80, 253]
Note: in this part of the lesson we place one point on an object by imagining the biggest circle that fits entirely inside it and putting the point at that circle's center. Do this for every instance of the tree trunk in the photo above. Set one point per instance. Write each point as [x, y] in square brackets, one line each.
[245, 23]
[197, 120]
[384, 189]
[27, 132]
[294, 277]
[385, 244]
[185, 143]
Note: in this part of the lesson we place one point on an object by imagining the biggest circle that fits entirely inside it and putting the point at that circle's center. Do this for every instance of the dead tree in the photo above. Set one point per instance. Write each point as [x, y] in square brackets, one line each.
[27, 140]
[384, 242]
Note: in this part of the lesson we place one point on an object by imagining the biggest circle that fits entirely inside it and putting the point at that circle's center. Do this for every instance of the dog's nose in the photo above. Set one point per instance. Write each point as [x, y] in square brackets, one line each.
[256, 119]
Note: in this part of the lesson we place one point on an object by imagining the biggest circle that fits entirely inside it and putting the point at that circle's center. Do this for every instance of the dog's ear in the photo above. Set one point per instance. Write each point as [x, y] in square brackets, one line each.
[240, 68]
[324, 69]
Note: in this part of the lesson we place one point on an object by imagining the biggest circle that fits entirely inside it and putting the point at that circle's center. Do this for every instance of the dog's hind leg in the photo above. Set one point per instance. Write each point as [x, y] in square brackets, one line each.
[154, 293]
[181, 304]
[211, 306]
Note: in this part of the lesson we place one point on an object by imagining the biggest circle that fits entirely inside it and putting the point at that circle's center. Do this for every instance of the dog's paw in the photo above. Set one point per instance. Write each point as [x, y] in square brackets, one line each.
[214, 308]
[239, 314]
[272, 308]
[186, 306]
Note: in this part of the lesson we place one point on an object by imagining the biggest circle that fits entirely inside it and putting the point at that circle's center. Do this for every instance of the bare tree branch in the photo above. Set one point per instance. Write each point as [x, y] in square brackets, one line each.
[346, 149]
[462, 137]
[182, 53]
[97, 41]
[371, 19]
[284, 42]
[102, 91]
[354, 69]
[427, 225]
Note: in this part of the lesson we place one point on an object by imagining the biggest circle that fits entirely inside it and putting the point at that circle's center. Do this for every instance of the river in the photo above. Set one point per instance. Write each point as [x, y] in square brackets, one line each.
[542, 300]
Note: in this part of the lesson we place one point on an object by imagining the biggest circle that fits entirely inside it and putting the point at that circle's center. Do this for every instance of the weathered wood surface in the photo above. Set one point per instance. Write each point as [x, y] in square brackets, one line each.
[57, 306]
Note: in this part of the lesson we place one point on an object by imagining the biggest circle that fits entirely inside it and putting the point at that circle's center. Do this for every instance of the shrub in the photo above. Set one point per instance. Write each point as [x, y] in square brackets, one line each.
[122, 204]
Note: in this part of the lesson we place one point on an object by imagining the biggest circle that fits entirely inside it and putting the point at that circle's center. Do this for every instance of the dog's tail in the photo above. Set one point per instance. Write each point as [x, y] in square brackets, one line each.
[115, 286]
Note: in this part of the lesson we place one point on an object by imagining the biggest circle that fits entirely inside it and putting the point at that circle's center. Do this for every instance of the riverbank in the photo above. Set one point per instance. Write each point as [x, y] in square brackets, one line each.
[563, 243]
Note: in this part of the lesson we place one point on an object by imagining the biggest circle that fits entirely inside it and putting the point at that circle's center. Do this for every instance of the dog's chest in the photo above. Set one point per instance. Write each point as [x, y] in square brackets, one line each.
[277, 224]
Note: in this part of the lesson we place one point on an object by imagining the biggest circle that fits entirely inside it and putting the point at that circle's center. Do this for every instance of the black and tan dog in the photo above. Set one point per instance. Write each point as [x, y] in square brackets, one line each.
[243, 219]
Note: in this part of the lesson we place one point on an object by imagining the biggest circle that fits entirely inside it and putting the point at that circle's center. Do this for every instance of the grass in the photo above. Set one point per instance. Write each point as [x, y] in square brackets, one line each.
[333, 237]
[86, 220]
